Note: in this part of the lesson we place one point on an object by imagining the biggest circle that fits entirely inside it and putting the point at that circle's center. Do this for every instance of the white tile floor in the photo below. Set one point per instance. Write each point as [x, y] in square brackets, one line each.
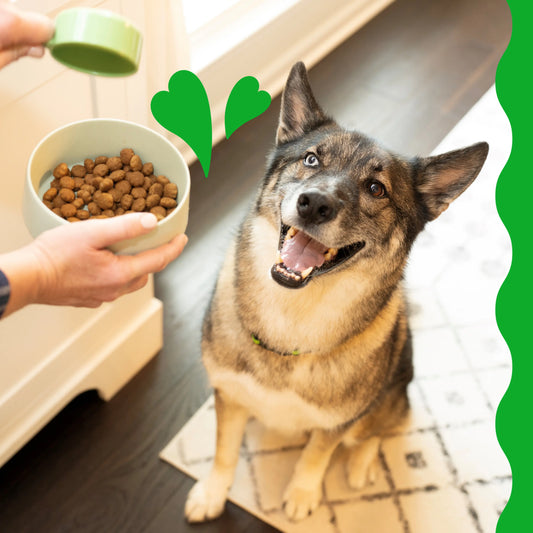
[445, 470]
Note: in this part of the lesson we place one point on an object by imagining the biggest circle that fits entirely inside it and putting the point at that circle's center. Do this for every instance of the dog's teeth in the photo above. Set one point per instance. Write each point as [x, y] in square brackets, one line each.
[306, 272]
[278, 258]
[330, 254]
[291, 233]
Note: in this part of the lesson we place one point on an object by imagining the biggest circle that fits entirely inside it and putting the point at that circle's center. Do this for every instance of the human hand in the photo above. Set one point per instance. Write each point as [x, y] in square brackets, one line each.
[71, 265]
[22, 33]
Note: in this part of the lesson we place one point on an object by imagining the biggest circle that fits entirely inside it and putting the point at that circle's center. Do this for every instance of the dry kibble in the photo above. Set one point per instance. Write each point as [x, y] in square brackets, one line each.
[101, 170]
[61, 170]
[126, 201]
[125, 155]
[159, 212]
[136, 163]
[117, 175]
[156, 188]
[106, 184]
[152, 200]
[78, 171]
[104, 201]
[68, 210]
[93, 209]
[114, 163]
[168, 203]
[138, 192]
[138, 205]
[78, 203]
[109, 186]
[50, 194]
[147, 169]
[170, 190]
[66, 182]
[123, 186]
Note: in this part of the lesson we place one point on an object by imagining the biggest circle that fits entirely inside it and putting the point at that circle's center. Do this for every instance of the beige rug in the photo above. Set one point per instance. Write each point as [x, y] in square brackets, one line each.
[444, 471]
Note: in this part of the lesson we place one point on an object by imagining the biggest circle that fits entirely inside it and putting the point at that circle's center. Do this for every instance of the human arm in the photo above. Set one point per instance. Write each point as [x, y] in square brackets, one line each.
[71, 265]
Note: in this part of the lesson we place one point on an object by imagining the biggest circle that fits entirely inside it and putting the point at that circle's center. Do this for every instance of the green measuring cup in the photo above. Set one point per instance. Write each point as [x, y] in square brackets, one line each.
[96, 41]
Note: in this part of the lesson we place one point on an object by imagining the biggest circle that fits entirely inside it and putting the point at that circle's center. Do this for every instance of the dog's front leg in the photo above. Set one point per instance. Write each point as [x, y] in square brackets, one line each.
[207, 498]
[304, 491]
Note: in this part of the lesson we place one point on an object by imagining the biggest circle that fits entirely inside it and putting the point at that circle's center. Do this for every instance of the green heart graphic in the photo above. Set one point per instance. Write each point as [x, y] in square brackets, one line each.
[245, 103]
[184, 110]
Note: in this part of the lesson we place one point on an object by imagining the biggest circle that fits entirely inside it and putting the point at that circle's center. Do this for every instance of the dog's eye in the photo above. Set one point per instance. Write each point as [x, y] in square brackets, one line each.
[310, 160]
[377, 189]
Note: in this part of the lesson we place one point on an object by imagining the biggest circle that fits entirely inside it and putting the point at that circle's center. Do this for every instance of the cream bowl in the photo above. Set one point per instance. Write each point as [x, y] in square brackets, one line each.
[77, 141]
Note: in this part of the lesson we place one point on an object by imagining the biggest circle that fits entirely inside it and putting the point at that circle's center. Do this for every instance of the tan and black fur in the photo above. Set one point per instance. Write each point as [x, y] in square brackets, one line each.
[327, 352]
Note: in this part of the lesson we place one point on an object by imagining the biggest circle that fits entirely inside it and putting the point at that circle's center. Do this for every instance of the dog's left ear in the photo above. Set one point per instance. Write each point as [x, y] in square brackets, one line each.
[299, 111]
[442, 178]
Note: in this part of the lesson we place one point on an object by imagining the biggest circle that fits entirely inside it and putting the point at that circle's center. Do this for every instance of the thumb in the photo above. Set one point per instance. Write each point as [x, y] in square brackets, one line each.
[104, 232]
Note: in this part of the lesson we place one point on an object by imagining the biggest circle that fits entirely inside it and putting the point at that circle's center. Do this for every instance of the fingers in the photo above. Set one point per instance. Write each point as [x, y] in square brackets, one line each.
[19, 28]
[156, 259]
[103, 233]
[12, 54]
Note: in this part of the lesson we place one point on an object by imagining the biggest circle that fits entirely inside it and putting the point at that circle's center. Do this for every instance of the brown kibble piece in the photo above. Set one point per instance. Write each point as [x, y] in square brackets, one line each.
[109, 213]
[136, 178]
[89, 165]
[66, 182]
[152, 200]
[147, 169]
[82, 214]
[48, 203]
[50, 194]
[78, 171]
[78, 182]
[125, 155]
[106, 184]
[138, 192]
[58, 201]
[68, 210]
[78, 203]
[61, 170]
[170, 190]
[57, 211]
[104, 201]
[135, 163]
[85, 196]
[73, 219]
[101, 170]
[55, 184]
[126, 201]
[163, 180]
[116, 194]
[123, 186]
[114, 163]
[89, 188]
[119, 211]
[93, 209]
[156, 188]
[67, 195]
[100, 160]
[159, 212]
[89, 179]
[168, 203]
[139, 205]
[117, 175]
[147, 183]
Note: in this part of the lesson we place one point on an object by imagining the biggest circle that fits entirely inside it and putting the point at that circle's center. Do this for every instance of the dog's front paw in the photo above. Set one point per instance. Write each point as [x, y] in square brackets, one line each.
[205, 501]
[360, 477]
[300, 503]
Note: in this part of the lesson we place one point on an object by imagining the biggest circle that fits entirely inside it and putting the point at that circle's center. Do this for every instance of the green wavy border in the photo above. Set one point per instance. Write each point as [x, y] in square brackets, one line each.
[515, 298]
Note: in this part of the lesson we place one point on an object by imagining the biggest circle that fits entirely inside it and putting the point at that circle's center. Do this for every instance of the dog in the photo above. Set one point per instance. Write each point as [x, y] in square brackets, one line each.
[307, 329]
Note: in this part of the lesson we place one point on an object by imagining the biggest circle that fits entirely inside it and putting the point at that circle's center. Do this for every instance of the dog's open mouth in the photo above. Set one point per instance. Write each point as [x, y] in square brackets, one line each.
[300, 257]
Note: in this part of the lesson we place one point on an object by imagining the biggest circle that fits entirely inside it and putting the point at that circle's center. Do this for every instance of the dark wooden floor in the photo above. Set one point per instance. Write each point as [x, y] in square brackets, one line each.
[405, 79]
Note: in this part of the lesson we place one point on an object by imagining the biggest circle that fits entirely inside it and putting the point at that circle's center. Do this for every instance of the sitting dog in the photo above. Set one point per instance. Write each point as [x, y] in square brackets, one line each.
[307, 329]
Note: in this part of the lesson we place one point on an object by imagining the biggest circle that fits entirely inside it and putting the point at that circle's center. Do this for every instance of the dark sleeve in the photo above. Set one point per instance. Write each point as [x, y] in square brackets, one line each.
[5, 291]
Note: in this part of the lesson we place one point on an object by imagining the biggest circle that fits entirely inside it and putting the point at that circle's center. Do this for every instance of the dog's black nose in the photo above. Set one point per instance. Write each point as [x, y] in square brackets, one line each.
[316, 207]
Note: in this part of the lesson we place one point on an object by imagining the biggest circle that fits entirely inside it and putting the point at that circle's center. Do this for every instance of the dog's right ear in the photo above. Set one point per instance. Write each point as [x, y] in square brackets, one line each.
[299, 111]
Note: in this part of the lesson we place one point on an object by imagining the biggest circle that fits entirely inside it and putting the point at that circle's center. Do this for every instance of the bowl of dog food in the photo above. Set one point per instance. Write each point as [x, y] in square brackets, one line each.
[100, 168]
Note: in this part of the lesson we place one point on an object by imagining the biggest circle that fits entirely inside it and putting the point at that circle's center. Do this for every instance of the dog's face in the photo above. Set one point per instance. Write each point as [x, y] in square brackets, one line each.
[337, 196]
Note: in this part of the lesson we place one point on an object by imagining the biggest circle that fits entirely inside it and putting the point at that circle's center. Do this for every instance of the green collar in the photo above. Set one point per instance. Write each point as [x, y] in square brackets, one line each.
[255, 340]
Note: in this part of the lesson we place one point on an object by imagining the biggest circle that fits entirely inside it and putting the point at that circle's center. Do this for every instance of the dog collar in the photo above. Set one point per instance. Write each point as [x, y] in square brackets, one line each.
[258, 342]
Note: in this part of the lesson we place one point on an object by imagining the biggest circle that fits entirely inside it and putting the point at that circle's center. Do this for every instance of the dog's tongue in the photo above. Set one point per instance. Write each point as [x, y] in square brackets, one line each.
[301, 252]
